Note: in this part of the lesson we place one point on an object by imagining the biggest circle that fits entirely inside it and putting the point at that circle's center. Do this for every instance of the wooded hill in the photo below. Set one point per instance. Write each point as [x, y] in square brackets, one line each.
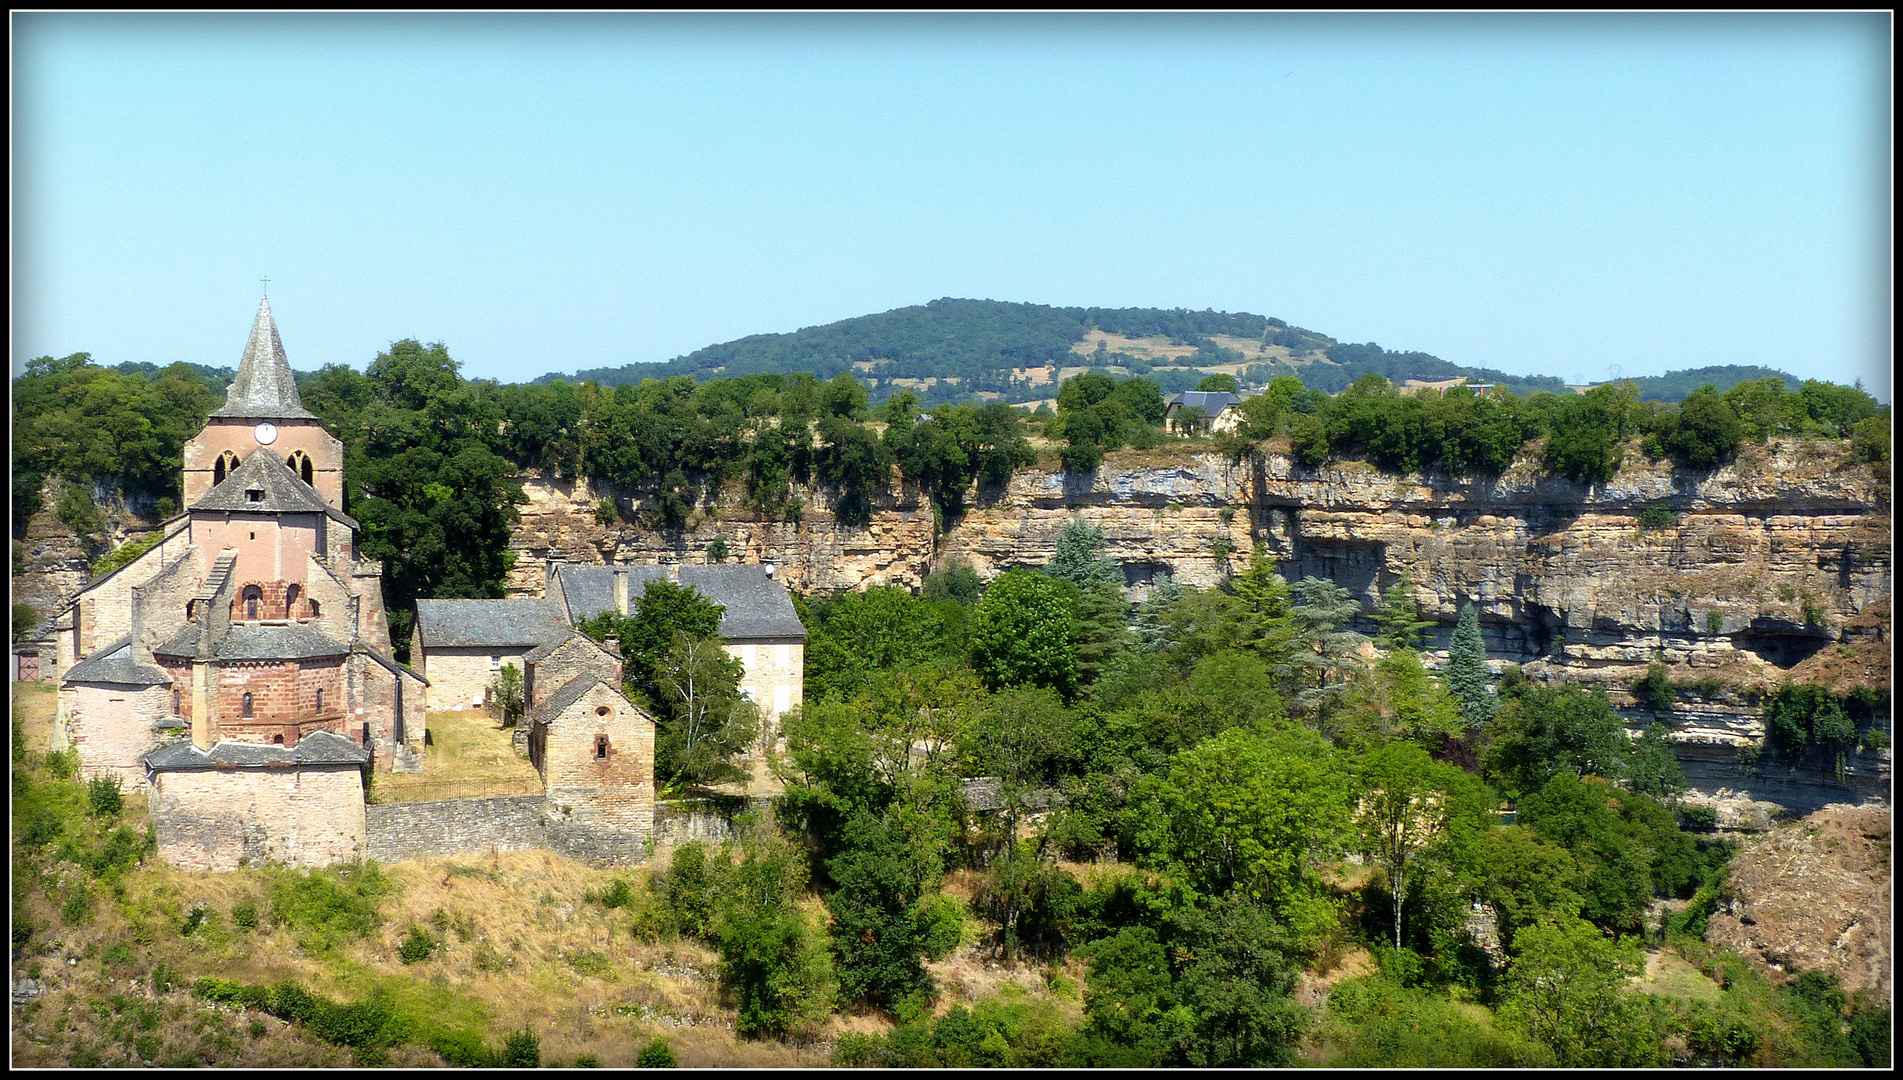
[967, 347]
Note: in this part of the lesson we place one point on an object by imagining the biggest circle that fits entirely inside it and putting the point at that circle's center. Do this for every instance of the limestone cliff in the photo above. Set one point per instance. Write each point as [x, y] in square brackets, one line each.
[1770, 559]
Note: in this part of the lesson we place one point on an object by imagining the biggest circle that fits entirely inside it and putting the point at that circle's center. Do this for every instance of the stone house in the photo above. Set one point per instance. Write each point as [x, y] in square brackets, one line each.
[554, 665]
[595, 753]
[759, 624]
[247, 651]
[1218, 410]
[460, 646]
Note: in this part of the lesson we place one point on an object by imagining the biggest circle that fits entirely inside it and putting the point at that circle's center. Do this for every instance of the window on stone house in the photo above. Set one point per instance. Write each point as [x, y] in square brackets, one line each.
[290, 601]
[252, 597]
[313, 609]
[245, 710]
[366, 734]
[254, 495]
[601, 748]
[320, 700]
[495, 663]
[175, 702]
[278, 739]
[227, 461]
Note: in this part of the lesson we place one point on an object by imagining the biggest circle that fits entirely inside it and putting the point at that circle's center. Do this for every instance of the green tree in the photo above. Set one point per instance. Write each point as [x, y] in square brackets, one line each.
[708, 720]
[1525, 879]
[1018, 736]
[771, 956]
[663, 609]
[1411, 808]
[1399, 617]
[506, 691]
[1024, 632]
[657, 1054]
[1272, 631]
[1424, 710]
[876, 946]
[26, 619]
[1706, 432]
[1651, 766]
[1079, 558]
[1551, 729]
[1219, 383]
[1583, 439]
[1325, 652]
[1566, 988]
[1243, 813]
[1467, 675]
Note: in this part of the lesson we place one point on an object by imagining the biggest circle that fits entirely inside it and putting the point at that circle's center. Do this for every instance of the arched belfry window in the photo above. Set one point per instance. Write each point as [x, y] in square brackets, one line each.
[290, 601]
[246, 713]
[253, 596]
[300, 463]
[227, 461]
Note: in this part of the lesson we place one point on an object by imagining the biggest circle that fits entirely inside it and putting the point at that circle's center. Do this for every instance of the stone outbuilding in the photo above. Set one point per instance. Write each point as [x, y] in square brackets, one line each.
[460, 646]
[553, 666]
[595, 753]
[243, 804]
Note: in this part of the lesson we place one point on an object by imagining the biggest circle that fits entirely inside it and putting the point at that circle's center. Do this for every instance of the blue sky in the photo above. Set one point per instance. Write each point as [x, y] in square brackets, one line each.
[1546, 195]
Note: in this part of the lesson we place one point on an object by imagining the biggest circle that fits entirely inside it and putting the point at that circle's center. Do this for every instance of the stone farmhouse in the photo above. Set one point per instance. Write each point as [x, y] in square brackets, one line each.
[1215, 410]
[461, 645]
[240, 669]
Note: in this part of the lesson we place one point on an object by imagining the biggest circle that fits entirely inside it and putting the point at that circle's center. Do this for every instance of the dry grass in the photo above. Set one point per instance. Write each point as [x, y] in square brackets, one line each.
[467, 750]
[1668, 975]
[33, 707]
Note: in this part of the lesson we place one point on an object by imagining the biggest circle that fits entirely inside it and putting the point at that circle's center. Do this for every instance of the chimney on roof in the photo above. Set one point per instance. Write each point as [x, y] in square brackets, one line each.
[621, 589]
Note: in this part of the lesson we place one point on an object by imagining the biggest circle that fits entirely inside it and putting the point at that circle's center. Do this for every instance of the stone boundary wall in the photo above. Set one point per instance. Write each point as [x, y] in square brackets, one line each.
[398, 831]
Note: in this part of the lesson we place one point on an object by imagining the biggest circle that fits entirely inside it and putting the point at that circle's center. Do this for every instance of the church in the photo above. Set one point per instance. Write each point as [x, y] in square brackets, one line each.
[240, 669]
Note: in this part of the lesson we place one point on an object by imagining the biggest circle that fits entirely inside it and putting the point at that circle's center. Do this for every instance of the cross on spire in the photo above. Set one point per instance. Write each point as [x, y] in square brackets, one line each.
[267, 285]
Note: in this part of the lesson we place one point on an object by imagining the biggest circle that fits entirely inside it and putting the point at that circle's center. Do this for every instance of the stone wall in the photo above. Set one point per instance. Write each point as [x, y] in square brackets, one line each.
[774, 675]
[709, 821]
[111, 726]
[222, 819]
[459, 678]
[453, 826]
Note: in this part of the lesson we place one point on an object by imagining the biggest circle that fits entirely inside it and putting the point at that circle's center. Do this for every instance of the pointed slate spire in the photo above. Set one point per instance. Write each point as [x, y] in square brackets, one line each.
[264, 388]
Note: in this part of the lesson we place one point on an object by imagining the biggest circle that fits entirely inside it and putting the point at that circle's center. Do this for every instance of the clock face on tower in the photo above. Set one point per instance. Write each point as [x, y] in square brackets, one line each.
[267, 434]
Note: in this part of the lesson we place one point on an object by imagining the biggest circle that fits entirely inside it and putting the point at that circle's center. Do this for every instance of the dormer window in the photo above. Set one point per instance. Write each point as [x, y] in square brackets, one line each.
[254, 495]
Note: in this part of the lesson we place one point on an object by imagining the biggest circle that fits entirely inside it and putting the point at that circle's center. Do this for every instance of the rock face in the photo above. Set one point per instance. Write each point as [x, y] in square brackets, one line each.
[51, 563]
[1770, 560]
[1815, 895]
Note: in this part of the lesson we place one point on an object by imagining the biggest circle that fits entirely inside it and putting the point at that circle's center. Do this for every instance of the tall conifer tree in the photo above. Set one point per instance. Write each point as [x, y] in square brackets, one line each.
[1467, 669]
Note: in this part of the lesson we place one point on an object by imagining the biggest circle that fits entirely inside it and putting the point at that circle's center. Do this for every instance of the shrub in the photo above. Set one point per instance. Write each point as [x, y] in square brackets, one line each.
[327, 907]
[1657, 515]
[522, 1050]
[463, 1049]
[587, 1061]
[1699, 818]
[62, 764]
[1656, 689]
[416, 947]
[193, 920]
[656, 1055]
[245, 915]
[605, 512]
[103, 797]
[78, 907]
[162, 980]
[616, 895]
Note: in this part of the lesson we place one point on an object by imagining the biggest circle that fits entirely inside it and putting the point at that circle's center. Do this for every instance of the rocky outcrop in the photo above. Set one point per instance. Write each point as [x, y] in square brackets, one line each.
[1815, 895]
[52, 562]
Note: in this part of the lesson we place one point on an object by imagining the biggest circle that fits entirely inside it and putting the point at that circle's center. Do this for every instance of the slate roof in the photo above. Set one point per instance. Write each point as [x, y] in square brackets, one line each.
[569, 693]
[1211, 402]
[264, 386]
[757, 606]
[547, 649]
[115, 664]
[489, 623]
[317, 748]
[252, 641]
[279, 490]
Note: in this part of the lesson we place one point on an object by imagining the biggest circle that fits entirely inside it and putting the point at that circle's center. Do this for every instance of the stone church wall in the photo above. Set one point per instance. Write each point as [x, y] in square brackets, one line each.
[111, 726]
[222, 819]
